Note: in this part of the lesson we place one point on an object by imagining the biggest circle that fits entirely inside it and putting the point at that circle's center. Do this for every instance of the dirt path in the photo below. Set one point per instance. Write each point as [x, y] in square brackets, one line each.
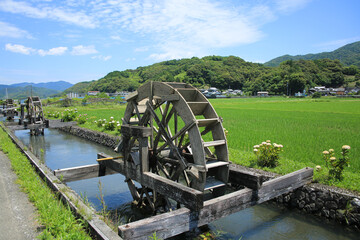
[17, 214]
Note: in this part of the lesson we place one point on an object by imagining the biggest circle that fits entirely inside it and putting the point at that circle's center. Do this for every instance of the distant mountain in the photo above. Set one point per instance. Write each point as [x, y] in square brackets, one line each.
[81, 87]
[348, 55]
[59, 85]
[23, 92]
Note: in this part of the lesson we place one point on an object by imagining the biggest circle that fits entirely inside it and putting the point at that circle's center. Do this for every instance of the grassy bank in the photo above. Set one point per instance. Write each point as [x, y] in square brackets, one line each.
[57, 218]
[305, 127]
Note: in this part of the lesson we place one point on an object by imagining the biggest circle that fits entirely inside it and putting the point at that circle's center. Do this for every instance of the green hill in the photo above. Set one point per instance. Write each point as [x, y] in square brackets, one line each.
[231, 72]
[348, 55]
[81, 87]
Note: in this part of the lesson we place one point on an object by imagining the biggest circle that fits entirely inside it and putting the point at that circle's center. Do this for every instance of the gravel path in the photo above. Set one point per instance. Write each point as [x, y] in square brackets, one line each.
[17, 214]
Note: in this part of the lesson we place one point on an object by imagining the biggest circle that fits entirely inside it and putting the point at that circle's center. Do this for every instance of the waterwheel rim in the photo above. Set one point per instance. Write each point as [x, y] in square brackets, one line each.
[192, 115]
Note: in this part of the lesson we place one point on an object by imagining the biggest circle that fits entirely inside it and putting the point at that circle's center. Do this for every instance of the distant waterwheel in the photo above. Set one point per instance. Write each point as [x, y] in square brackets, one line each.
[184, 139]
[35, 115]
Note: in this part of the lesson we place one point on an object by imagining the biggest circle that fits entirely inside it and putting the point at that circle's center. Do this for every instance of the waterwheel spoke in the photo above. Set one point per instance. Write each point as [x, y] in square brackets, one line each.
[168, 139]
[163, 114]
[180, 133]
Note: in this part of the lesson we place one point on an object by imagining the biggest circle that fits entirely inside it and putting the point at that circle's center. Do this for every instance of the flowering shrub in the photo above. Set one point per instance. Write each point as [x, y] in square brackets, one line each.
[53, 114]
[69, 115]
[337, 165]
[82, 118]
[268, 154]
[110, 125]
[100, 122]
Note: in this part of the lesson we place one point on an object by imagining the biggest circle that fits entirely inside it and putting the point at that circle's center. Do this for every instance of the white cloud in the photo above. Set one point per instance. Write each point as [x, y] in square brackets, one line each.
[53, 51]
[142, 49]
[83, 50]
[49, 11]
[331, 45]
[197, 24]
[8, 30]
[17, 48]
[288, 6]
[101, 57]
[170, 28]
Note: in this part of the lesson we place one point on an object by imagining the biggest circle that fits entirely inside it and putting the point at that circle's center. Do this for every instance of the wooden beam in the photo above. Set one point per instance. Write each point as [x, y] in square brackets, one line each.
[80, 173]
[190, 197]
[246, 178]
[182, 220]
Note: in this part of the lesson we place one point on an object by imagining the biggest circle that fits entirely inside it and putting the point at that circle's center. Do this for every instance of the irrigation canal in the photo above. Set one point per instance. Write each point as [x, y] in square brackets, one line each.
[266, 221]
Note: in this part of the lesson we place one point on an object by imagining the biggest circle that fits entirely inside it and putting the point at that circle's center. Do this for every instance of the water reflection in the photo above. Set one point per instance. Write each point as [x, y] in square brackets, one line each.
[264, 221]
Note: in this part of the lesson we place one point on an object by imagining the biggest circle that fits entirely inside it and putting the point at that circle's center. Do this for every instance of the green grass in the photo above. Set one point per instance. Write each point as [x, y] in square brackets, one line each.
[305, 127]
[57, 218]
[95, 112]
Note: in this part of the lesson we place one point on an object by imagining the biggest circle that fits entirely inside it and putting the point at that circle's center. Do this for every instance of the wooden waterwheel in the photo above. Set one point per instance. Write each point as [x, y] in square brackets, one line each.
[172, 130]
[35, 115]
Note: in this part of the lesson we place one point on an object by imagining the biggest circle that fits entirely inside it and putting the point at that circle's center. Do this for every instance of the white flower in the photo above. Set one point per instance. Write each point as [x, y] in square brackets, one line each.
[268, 141]
[346, 147]
[325, 152]
[255, 150]
[318, 168]
[256, 146]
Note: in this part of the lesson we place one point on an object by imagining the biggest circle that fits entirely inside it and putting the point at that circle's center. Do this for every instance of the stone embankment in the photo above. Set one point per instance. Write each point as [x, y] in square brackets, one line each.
[327, 202]
[94, 136]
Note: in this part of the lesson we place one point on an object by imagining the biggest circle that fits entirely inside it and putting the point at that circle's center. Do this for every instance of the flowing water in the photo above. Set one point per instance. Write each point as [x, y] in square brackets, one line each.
[265, 221]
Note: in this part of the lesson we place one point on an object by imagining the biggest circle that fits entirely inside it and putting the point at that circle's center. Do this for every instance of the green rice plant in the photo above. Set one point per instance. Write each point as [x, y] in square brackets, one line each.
[304, 126]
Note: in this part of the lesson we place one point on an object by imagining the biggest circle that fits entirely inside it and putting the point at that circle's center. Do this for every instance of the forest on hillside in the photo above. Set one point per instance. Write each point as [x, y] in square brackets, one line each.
[348, 55]
[233, 72]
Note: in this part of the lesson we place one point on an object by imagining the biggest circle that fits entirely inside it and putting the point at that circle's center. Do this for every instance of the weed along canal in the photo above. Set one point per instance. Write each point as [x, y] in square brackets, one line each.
[61, 150]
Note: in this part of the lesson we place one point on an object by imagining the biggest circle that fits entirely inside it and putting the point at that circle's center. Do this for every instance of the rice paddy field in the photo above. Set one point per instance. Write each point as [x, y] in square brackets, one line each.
[305, 127]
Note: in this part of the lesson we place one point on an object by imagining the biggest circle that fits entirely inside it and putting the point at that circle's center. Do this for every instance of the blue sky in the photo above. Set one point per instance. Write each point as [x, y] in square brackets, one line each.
[79, 40]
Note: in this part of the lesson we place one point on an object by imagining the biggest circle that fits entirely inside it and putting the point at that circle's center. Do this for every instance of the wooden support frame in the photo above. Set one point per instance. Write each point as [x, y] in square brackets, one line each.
[190, 197]
[169, 224]
[182, 220]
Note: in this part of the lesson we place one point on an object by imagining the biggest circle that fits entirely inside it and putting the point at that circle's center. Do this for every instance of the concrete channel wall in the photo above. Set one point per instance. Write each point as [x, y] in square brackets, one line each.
[330, 203]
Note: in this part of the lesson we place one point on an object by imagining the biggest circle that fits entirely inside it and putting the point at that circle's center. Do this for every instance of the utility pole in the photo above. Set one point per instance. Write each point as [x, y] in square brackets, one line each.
[287, 88]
